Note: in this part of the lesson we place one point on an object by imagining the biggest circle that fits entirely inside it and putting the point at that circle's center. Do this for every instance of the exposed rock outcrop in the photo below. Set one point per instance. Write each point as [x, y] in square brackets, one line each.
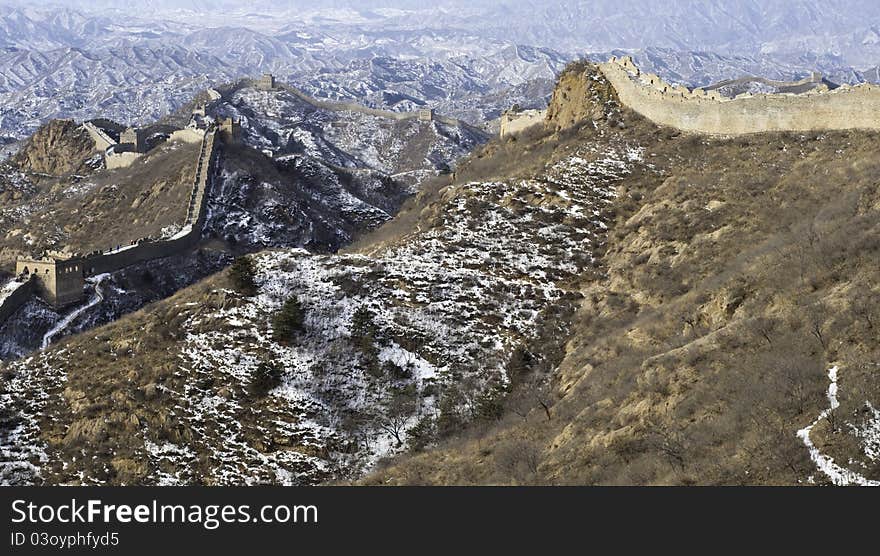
[581, 93]
[60, 147]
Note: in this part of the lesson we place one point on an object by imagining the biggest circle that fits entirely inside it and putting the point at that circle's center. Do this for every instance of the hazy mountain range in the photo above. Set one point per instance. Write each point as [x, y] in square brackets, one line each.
[470, 60]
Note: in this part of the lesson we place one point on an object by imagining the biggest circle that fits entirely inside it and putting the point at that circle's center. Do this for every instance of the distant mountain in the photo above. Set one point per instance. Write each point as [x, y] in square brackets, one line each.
[464, 59]
[68, 64]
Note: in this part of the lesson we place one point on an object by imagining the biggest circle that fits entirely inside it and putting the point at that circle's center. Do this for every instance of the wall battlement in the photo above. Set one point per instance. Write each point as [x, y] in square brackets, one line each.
[58, 280]
[701, 111]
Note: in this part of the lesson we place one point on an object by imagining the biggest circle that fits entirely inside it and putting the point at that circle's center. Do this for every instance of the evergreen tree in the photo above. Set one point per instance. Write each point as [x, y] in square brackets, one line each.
[363, 335]
[423, 433]
[362, 326]
[288, 321]
[242, 274]
[266, 376]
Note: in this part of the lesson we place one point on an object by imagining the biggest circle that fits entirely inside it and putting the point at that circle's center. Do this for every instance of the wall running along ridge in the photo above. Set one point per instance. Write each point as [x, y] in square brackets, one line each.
[700, 111]
[340, 106]
[101, 139]
[190, 234]
[61, 281]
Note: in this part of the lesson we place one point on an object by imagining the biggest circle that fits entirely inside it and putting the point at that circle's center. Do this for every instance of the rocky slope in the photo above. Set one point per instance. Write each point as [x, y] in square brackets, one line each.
[425, 334]
[728, 340]
[57, 148]
[298, 176]
[314, 177]
[96, 209]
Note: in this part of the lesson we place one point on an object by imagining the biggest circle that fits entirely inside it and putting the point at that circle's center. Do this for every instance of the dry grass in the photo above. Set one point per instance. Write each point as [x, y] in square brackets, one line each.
[732, 284]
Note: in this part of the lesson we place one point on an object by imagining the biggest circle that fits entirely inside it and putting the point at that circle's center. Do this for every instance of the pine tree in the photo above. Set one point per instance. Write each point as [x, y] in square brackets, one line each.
[363, 335]
[288, 321]
[265, 377]
[242, 274]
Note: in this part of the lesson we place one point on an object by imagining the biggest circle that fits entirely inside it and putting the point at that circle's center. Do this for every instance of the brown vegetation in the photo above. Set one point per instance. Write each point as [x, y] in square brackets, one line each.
[732, 282]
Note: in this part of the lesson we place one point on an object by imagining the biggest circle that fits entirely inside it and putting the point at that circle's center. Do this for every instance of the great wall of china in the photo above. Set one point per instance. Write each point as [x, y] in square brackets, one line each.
[706, 111]
[267, 82]
[60, 278]
[701, 111]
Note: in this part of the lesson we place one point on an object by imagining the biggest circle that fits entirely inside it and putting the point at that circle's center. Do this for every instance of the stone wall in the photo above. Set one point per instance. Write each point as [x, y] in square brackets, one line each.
[188, 135]
[58, 281]
[698, 111]
[101, 139]
[340, 106]
[10, 304]
[145, 250]
[120, 159]
[515, 122]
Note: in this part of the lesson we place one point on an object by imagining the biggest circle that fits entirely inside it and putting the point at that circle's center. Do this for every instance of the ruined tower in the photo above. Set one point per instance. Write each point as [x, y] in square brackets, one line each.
[229, 129]
[134, 140]
[60, 278]
[267, 82]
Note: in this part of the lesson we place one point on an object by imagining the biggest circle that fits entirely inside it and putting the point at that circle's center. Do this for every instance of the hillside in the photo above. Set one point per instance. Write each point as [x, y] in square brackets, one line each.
[78, 205]
[600, 302]
[318, 178]
[296, 176]
[706, 347]
[57, 148]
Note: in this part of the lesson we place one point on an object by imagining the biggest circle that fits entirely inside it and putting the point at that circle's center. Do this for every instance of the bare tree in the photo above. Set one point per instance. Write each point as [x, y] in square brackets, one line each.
[817, 314]
[398, 411]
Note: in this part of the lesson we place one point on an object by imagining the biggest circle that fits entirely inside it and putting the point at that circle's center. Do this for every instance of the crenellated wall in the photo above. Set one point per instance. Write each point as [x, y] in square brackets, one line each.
[708, 112]
[515, 121]
[59, 278]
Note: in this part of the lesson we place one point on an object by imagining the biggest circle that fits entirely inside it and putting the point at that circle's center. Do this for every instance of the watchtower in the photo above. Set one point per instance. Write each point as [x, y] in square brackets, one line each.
[426, 115]
[230, 130]
[60, 278]
[134, 140]
[267, 82]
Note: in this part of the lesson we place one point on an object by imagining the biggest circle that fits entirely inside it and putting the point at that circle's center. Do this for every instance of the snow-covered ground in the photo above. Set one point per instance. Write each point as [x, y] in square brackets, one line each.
[837, 474]
[450, 305]
[333, 174]
[281, 123]
[8, 289]
[68, 319]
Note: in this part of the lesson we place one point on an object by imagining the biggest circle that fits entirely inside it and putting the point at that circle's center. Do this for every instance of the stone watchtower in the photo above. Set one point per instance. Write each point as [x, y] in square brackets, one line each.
[230, 130]
[426, 115]
[134, 140]
[267, 82]
[60, 278]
